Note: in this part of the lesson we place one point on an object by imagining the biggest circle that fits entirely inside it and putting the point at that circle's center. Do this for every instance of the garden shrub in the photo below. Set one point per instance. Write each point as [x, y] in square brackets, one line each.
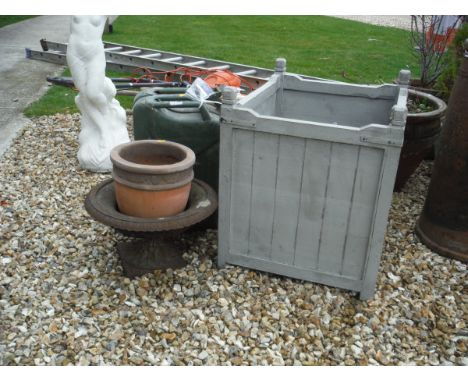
[453, 59]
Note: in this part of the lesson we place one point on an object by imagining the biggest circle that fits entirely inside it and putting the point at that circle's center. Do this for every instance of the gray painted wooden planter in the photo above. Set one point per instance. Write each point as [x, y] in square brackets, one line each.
[307, 170]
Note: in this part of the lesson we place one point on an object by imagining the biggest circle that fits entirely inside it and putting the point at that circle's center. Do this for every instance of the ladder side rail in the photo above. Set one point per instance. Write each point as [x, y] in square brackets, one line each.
[250, 73]
[261, 72]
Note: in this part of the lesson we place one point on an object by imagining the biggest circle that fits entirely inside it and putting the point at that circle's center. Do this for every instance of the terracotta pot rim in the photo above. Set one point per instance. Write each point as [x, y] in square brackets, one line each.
[152, 187]
[440, 104]
[182, 165]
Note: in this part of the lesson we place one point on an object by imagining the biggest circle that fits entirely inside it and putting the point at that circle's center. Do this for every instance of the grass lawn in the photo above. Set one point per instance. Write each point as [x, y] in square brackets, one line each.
[11, 19]
[315, 45]
[59, 99]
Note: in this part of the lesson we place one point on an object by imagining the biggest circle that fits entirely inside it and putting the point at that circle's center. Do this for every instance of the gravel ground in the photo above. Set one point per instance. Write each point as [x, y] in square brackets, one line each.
[63, 299]
[400, 21]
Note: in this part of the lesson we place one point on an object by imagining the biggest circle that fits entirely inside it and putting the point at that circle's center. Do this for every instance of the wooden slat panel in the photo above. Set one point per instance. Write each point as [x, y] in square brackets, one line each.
[379, 222]
[268, 106]
[335, 108]
[293, 82]
[314, 182]
[241, 189]
[366, 136]
[224, 194]
[294, 272]
[337, 207]
[287, 201]
[362, 209]
[263, 194]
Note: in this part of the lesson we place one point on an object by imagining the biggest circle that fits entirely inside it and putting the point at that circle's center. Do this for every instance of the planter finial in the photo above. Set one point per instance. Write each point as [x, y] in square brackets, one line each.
[229, 95]
[280, 65]
[404, 77]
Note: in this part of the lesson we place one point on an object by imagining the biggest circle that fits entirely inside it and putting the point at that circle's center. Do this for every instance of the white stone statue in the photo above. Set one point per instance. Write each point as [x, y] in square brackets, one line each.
[103, 120]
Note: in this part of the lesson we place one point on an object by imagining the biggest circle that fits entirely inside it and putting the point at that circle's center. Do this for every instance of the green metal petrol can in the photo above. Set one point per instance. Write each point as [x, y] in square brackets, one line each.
[167, 113]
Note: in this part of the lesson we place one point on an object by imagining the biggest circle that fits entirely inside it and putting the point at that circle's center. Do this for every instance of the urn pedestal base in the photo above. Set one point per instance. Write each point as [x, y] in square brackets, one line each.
[145, 255]
[156, 243]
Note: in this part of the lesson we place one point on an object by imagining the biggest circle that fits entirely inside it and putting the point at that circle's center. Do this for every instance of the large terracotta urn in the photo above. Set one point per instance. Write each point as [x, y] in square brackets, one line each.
[152, 177]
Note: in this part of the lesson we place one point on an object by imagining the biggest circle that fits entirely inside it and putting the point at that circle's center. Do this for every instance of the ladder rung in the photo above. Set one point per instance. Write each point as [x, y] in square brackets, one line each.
[220, 67]
[195, 63]
[152, 55]
[246, 72]
[136, 51]
[172, 59]
[114, 48]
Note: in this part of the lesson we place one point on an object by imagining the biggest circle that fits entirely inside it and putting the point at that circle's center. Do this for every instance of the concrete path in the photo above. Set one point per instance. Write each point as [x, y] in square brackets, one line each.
[400, 21]
[23, 81]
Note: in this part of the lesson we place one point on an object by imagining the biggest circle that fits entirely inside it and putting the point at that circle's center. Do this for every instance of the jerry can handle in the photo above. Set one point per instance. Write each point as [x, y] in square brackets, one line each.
[206, 116]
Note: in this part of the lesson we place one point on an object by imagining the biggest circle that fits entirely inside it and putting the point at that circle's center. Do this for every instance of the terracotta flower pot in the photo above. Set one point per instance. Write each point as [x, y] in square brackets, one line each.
[152, 178]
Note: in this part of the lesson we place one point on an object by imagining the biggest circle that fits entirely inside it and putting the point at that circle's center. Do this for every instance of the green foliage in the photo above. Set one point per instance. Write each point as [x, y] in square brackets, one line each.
[315, 45]
[419, 104]
[453, 59]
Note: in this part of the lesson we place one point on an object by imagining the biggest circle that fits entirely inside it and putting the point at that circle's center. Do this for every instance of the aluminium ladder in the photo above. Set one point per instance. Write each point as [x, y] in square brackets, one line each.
[127, 58]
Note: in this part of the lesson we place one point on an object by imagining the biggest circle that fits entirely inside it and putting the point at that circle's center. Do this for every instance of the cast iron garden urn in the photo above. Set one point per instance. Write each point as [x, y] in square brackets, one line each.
[443, 224]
